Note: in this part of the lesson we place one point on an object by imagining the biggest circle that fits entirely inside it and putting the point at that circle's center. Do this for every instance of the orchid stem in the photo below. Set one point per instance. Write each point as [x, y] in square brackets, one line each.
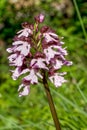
[51, 103]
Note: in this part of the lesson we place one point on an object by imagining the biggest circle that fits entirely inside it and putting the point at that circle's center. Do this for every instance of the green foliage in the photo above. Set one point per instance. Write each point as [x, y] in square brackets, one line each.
[32, 112]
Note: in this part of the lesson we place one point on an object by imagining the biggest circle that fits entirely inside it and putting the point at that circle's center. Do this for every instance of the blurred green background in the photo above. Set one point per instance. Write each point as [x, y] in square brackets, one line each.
[69, 19]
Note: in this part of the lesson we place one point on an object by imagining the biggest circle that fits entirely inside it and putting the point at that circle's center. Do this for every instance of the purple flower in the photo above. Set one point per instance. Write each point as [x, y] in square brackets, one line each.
[58, 64]
[16, 59]
[25, 90]
[27, 31]
[49, 37]
[18, 72]
[39, 18]
[35, 50]
[57, 79]
[32, 77]
[39, 63]
[22, 47]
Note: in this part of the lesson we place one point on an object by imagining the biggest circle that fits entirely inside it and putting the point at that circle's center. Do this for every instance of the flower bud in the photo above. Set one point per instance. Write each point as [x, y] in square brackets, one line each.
[39, 18]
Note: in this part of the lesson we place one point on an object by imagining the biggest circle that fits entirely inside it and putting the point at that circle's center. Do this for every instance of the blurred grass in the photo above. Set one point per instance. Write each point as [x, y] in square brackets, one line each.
[32, 112]
[80, 19]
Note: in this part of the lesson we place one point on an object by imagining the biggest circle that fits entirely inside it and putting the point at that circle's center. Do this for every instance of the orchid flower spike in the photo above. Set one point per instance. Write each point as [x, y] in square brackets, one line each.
[33, 50]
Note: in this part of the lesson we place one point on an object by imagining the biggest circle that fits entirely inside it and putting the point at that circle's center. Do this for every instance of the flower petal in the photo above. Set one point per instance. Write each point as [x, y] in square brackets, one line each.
[38, 63]
[39, 18]
[32, 78]
[16, 60]
[25, 90]
[24, 49]
[57, 80]
[49, 36]
[19, 71]
[58, 64]
[24, 32]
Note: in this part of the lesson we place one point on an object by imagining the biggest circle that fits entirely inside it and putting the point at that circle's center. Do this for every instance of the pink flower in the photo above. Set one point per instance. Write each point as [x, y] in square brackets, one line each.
[50, 53]
[18, 72]
[35, 50]
[57, 80]
[22, 47]
[11, 50]
[39, 18]
[24, 32]
[16, 60]
[38, 63]
[32, 77]
[25, 90]
[49, 37]
[58, 64]
[12, 57]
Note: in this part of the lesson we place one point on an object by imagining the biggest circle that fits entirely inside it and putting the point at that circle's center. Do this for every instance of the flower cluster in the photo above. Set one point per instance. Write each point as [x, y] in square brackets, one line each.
[36, 49]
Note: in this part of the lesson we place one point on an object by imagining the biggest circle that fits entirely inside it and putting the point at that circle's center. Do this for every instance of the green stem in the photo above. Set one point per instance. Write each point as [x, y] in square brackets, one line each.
[80, 19]
[51, 103]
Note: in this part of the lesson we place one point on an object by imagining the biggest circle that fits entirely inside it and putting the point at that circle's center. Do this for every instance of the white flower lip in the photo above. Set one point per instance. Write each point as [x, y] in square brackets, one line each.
[24, 32]
[57, 80]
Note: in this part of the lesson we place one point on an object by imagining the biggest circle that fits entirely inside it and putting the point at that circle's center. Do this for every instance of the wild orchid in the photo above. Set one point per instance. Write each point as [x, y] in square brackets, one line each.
[37, 53]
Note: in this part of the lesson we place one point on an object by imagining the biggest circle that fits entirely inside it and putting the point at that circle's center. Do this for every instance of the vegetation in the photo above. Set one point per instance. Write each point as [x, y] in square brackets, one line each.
[32, 112]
